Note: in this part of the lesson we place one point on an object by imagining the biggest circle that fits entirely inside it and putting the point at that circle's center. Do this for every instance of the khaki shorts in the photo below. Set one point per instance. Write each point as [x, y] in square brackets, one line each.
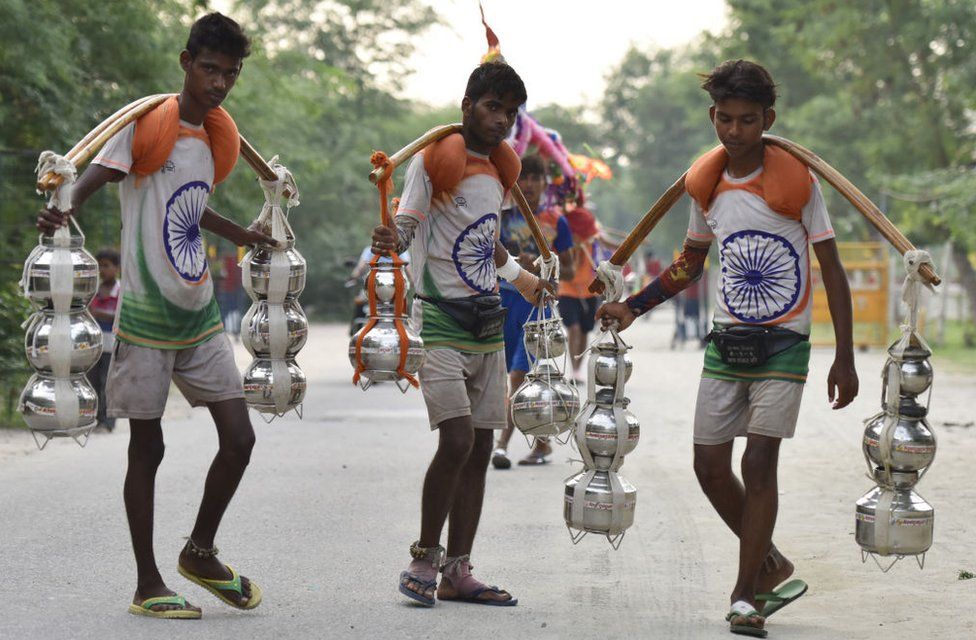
[459, 384]
[728, 409]
[138, 377]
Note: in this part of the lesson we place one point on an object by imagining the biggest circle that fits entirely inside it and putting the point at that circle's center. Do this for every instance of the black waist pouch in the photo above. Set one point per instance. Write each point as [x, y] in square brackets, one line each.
[746, 345]
[482, 316]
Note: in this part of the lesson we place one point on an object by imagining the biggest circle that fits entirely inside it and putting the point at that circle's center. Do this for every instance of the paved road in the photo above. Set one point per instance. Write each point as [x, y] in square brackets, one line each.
[330, 503]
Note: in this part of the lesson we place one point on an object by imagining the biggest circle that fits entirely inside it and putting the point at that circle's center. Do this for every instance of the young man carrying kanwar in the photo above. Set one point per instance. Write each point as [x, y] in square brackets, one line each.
[448, 217]
[764, 208]
[517, 239]
[168, 323]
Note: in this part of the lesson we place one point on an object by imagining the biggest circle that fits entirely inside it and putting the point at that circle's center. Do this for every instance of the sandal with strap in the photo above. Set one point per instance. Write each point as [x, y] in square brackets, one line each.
[220, 587]
[145, 608]
[745, 620]
[425, 561]
[457, 574]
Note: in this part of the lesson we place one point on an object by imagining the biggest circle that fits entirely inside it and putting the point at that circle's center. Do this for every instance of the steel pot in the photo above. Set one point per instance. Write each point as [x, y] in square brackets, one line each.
[605, 368]
[84, 267]
[598, 509]
[382, 279]
[256, 328]
[545, 404]
[600, 435]
[545, 338]
[39, 403]
[914, 371]
[260, 383]
[913, 443]
[904, 528]
[259, 261]
[381, 351]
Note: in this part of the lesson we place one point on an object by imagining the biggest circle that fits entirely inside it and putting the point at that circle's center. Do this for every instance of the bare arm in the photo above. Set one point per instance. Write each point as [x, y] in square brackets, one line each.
[92, 179]
[843, 376]
[567, 263]
[230, 230]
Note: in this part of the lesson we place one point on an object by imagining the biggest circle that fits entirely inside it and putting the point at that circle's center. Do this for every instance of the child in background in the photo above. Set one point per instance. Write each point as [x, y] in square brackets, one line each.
[103, 308]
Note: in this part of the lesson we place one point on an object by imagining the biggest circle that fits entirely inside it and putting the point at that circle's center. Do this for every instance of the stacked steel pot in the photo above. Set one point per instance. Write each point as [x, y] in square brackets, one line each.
[598, 499]
[545, 404]
[275, 328]
[386, 349]
[62, 340]
[899, 447]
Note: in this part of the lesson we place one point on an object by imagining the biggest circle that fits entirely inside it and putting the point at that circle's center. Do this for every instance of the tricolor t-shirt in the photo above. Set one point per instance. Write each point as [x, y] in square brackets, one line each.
[764, 261]
[453, 248]
[167, 294]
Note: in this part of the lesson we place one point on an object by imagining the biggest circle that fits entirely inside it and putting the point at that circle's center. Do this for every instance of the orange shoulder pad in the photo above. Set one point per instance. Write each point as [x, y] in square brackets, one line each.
[444, 162]
[704, 175]
[507, 163]
[787, 182]
[154, 137]
[225, 142]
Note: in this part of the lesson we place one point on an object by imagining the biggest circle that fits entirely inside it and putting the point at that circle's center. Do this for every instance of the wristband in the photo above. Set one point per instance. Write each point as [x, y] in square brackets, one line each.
[510, 270]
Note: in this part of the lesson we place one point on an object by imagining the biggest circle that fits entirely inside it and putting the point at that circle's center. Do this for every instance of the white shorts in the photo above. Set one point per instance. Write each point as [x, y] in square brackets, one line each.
[727, 409]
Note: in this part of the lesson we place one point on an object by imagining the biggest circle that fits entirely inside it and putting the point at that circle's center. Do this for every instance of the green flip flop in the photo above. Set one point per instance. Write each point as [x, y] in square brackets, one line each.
[781, 596]
[145, 608]
[220, 587]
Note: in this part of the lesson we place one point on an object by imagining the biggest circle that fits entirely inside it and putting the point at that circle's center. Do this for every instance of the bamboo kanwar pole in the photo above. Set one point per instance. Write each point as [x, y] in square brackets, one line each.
[101, 134]
[644, 227]
[855, 197]
[404, 154]
[103, 124]
[259, 165]
[529, 215]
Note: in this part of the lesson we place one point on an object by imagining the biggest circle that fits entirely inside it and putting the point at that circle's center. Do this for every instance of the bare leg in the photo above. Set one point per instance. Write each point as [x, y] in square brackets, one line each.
[236, 440]
[456, 439]
[466, 510]
[758, 514]
[713, 466]
[145, 454]
[464, 519]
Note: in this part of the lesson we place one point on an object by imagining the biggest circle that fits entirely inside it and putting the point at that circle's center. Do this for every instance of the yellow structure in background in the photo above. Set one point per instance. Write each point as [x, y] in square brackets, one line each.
[867, 267]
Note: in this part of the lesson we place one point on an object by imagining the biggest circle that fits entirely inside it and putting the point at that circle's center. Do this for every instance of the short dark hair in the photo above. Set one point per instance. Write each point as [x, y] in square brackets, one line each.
[533, 165]
[220, 34]
[740, 79]
[495, 77]
[108, 254]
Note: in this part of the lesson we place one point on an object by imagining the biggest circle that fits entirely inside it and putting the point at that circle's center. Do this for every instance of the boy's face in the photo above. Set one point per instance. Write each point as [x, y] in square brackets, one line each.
[107, 270]
[532, 186]
[740, 124]
[489, 120]
[209, 76]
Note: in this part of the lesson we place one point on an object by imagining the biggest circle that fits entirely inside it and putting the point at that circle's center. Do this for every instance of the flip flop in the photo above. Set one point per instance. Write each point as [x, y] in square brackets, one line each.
[781, 596]
[742, 609]
[410, 593]
[218, 587]
[145, 608]
[473, 598]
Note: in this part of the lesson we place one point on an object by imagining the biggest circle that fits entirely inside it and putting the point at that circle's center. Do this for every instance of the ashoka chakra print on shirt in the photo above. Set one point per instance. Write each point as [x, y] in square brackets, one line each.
[181, 230]
[760, 275]
[474, 254]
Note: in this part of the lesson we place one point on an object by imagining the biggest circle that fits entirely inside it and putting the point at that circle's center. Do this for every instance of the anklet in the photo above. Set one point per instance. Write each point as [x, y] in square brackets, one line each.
[432, 554]
[201, 552]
